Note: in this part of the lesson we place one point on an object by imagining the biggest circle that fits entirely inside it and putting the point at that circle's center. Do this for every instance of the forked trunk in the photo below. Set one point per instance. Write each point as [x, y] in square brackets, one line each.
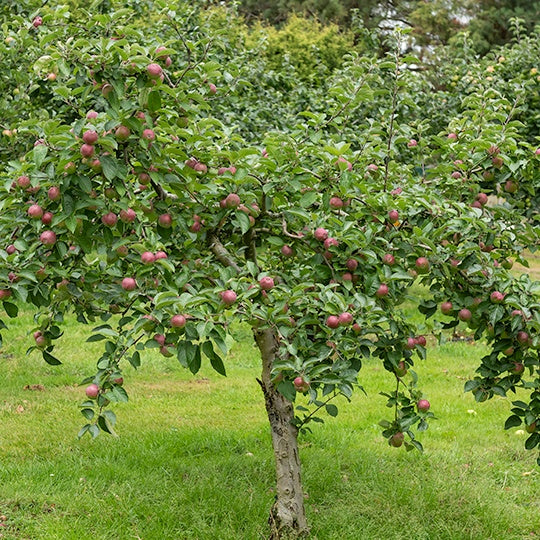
[288, 516]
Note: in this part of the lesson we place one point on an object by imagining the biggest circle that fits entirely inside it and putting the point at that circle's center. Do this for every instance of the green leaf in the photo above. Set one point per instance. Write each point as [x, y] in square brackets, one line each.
[512, 421]
[40, 152]
[308, 199]
[11, 309]
[95, 337]
[154, 101]
[50, 359]
[87, 413]
[286, 389]
[83, 430]
[110, 167]
[104, 425]
[532, 441]
[135, 359]
[331, 409]
[110, 416]
[195, 364]
[120, 395]
[471, 385]
[215, 360]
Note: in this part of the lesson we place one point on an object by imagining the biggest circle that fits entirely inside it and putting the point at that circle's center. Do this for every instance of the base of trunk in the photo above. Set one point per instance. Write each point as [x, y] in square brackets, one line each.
[289, 530]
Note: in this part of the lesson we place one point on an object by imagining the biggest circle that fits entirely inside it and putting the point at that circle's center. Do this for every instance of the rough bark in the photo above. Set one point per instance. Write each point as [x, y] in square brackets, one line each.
[288, 516]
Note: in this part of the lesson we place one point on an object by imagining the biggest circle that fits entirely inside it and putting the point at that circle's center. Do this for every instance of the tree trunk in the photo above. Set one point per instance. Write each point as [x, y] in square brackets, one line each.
[288, 515]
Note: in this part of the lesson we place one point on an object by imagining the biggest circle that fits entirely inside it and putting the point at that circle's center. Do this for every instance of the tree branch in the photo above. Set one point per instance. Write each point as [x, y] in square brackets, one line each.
[221, 253]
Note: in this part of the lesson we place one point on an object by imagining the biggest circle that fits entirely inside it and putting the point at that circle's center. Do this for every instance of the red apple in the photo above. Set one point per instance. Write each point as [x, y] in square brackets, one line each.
[47, 218]
[335, 203]
[122, 251]
[23, 181]
[300, 385]
[422, 265]
[287, 251]
[35, 211]
[90, 137]
[165, 220]
[464, 315]
[321, 234]
[496, 297]
[518, 368]
[352, 264]
[128, 216]
[228, 297]
[393, 216]
[396, 440]
[54, 193]
[144, 178]
[87, 150]
[200, 167]
[148, 134]
[160, 338]
[446, 308]
[332, 321]
[178, 321]
[147, 257]
[423, 405]
[511, 186]
[92, 391]
[329, 242]
[95, 165]
[345, 318]
[411, 343]
[482, 198]
[122, 133]
[4, 294]
[497, 162]
[48, 238]
[401, 369]
[37, 22]
[129, 284]
[160, 255]
[266, 283]
[232, 200]
[382, 291]
[110, 219]
[388, 259]
[154, 71]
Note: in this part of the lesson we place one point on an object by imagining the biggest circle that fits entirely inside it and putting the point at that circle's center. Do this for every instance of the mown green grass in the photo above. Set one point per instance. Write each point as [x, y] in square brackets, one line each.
[193, 458]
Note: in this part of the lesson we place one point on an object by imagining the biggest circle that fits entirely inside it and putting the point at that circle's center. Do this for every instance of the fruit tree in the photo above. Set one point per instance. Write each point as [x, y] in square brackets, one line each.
[129, 201]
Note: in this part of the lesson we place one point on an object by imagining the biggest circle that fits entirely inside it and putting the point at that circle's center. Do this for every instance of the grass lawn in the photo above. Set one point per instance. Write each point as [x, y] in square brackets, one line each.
[193, 458]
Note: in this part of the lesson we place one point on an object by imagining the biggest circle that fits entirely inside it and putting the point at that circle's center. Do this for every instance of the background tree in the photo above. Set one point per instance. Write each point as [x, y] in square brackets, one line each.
[432, 23]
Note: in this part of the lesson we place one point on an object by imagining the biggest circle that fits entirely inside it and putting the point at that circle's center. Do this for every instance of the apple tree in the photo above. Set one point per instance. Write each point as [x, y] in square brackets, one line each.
[140, 211]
